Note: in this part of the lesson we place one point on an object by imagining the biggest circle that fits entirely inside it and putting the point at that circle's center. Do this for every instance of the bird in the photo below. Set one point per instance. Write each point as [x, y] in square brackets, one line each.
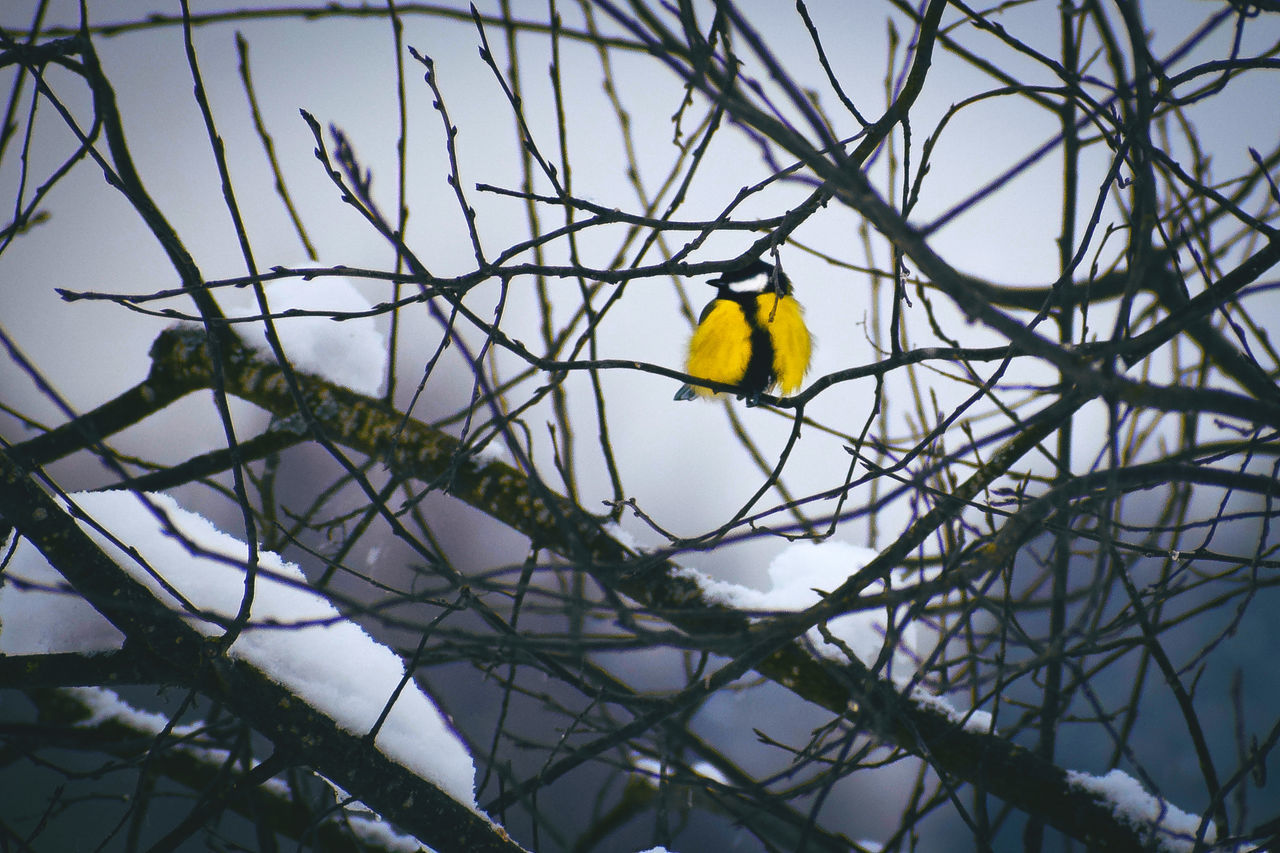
[752, 335]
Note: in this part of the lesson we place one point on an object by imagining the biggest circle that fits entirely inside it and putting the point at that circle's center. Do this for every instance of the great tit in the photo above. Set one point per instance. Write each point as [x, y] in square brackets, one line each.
[751, 336]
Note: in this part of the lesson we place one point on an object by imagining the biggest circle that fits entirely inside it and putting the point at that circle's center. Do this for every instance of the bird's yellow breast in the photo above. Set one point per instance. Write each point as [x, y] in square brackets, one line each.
[783, 317]
[720, 348]
[725, 343]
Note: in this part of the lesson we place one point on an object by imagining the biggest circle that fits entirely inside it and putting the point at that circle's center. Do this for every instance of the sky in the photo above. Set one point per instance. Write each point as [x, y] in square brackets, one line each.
[343, 71]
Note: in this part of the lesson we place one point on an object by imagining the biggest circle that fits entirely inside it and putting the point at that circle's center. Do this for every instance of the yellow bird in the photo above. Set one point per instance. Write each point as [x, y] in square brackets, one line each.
[752, 337]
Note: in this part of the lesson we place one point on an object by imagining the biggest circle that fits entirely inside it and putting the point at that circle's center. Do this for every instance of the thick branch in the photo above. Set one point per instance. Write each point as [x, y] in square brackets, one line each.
[412, 449]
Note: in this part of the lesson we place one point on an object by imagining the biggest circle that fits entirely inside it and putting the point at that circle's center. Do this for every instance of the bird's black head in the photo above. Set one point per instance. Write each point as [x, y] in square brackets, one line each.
[756, 277]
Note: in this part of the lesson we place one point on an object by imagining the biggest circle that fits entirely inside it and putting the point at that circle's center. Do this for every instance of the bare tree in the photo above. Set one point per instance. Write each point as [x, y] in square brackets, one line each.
[1034, 241]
